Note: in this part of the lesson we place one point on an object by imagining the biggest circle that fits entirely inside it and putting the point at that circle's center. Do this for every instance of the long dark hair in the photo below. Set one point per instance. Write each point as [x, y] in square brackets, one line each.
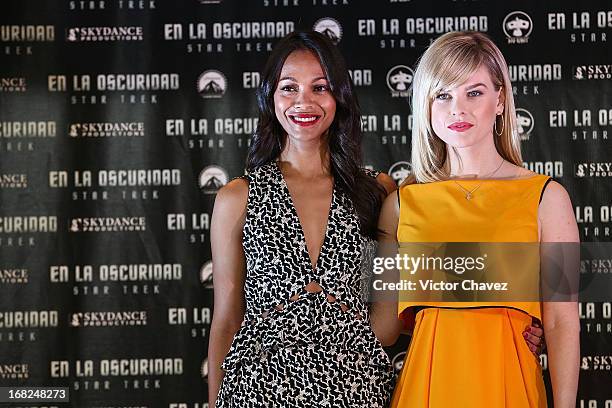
[344, 135]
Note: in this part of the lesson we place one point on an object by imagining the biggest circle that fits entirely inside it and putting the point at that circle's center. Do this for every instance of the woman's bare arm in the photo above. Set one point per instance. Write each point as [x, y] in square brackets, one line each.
[228, 277]
[561, 323]
[383, 312]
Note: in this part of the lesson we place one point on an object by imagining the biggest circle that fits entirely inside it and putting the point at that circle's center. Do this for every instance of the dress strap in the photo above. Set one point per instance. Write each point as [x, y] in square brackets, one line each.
[245, 177]
[371, 173]
[544, 188]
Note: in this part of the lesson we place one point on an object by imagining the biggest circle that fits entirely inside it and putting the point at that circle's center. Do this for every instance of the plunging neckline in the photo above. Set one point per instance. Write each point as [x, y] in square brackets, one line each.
[304, 251]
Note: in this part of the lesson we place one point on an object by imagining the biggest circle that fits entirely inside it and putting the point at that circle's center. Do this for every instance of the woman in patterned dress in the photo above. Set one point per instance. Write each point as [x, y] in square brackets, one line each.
[291, 327]
[287, 242]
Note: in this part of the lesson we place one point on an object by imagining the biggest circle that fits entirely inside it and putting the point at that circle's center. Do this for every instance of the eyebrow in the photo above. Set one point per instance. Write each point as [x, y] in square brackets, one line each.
[288, 78]
[467, 87]
[476, 85]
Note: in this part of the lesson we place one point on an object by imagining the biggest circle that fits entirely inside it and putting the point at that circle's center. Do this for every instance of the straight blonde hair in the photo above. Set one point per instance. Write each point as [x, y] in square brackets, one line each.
[448, 62]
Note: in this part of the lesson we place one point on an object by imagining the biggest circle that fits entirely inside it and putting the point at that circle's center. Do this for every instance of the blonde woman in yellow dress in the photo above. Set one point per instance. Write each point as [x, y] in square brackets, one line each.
[468, 185]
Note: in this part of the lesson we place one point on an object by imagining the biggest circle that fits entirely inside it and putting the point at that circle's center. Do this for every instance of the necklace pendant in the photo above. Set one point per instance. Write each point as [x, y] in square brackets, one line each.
[468, 196]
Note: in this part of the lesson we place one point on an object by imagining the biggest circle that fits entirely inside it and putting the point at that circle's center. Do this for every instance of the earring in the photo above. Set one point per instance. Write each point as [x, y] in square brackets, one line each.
[495, 126]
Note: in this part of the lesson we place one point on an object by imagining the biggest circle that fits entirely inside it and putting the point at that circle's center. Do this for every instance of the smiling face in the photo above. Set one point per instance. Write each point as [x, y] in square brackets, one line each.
[464, 116]
[303, 102]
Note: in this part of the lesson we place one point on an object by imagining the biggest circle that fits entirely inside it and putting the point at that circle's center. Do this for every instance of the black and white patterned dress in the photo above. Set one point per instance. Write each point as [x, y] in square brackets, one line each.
[306, 352]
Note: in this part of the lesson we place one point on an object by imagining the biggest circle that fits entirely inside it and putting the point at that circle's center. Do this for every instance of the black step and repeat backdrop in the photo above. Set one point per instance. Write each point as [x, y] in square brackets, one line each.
[120, 119]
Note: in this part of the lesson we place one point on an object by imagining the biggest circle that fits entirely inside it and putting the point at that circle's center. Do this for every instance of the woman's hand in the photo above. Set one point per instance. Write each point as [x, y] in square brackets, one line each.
[534, 337]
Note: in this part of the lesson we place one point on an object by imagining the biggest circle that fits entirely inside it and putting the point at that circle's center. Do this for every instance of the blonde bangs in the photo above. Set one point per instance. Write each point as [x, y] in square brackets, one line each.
[458, 67]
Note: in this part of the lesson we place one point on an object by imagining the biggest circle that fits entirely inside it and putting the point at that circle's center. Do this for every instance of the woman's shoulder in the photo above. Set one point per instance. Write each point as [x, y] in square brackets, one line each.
[233, 193]
[387, 182]
[553, 193]
[556, 215]
[382, 178]
[230, 203]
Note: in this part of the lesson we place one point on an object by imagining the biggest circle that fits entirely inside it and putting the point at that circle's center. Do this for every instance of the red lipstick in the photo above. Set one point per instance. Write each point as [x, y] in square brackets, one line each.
[460, 126]
[304, 119]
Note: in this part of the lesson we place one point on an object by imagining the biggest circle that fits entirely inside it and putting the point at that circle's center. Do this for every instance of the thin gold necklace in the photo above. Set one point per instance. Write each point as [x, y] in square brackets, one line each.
[470, 193]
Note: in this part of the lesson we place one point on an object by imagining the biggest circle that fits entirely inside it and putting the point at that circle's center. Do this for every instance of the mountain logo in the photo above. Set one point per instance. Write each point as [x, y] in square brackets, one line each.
[212, 84]
[330, 28]
[212, 178]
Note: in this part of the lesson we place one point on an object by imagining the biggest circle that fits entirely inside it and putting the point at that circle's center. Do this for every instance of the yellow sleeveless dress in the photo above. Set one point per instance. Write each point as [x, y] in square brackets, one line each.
[463, 356]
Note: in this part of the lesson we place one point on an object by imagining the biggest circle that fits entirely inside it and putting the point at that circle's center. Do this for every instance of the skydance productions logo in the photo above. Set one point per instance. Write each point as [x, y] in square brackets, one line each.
[108, 319]
[596, 363]
[12, 371]
[212, 84]
[329, 27]
[106, 129]
[591, 169]
[12, 84]
[107, 224]
[13, 276]
[98, 34]
[600, 71]
[517, 26]
[14, 180]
